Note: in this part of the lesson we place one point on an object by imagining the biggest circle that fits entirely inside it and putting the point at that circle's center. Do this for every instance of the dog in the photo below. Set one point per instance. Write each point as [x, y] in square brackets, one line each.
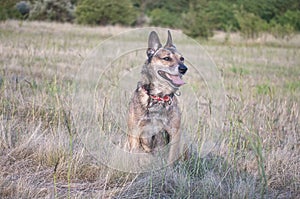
[154, 116]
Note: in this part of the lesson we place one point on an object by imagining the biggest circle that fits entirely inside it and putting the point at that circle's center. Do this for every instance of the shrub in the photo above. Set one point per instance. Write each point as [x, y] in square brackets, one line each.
[284, 26]
[291, 18]
[52, 10]
[8, 9]
[166, 13]
[162, 17]
[197, 21]
[196, 25]
[221, 15]
[105, 12]
[251, 26]
[285, 31]
[23, 8]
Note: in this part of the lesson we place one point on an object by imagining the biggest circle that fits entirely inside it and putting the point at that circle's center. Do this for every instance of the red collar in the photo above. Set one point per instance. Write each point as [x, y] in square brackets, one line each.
[166, 98]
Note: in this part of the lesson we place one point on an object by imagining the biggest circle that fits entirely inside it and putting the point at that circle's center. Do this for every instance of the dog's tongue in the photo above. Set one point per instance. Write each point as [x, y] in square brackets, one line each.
[176, 80]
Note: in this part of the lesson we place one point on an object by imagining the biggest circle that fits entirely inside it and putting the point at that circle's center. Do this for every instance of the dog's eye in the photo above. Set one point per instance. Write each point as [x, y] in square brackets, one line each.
[182, 59]
[167, 58]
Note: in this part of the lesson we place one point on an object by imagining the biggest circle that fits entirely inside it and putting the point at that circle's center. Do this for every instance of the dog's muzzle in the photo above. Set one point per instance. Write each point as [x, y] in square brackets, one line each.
[182, 69]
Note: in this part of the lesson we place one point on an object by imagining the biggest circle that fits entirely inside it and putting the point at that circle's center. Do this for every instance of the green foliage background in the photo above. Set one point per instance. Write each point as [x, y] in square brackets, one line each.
[52, 10]
[8, 9]
[105, 12]
[197, 18]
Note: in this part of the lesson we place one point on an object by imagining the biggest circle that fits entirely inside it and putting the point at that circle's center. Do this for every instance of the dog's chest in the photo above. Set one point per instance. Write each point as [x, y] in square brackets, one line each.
[160, 110]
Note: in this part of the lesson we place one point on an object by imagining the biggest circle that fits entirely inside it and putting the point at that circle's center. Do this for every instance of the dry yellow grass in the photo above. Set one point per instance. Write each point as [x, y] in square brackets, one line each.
[40, 157]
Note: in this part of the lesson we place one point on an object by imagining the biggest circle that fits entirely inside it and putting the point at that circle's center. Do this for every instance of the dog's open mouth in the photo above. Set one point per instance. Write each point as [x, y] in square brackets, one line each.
[173, 79]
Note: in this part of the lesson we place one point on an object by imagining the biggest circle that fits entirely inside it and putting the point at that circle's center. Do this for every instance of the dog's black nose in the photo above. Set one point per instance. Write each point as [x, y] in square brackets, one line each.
[182, 69]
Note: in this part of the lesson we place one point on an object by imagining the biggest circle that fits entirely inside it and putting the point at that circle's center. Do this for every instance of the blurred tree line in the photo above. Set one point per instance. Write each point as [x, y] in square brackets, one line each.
[197, 18]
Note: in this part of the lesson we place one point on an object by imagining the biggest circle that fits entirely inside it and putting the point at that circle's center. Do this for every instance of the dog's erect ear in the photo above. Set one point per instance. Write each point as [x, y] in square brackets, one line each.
[169, 41]
[153, 44]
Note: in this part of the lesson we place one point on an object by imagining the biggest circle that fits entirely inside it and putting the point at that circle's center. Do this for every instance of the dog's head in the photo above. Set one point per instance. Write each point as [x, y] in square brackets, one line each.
[165, 65]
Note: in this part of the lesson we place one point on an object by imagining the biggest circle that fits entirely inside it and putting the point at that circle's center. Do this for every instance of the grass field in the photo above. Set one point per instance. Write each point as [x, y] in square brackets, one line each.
[259, 148]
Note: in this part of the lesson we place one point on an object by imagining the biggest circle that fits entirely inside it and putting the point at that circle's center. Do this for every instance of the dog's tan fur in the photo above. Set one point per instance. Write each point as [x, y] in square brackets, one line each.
[154, 116]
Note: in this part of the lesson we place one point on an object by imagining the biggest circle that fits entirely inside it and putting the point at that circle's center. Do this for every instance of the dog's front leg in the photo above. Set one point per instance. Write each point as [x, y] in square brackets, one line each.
[133, 135]
[133, 143]
[174, 145]
[173, 128]
[137, 111]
